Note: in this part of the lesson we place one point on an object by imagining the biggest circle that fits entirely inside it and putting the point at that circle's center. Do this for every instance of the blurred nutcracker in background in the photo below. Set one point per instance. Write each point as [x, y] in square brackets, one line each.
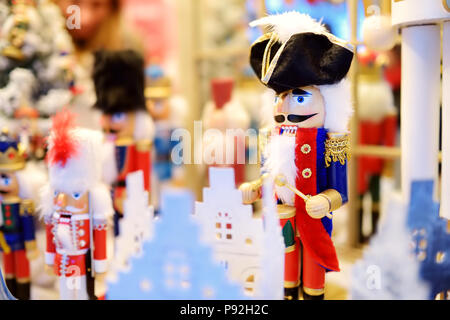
[308, 149]
[168, 112]
[17, 234]
[225, 113]
[378, 126]
[119, 85]
[75, 206]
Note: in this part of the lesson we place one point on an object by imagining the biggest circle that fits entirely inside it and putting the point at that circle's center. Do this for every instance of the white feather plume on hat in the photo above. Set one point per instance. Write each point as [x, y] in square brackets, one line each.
[285, 25]
[81, 173]
[83, 170]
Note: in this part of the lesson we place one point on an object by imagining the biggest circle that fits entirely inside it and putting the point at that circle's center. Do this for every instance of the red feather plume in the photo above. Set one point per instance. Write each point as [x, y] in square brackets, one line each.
[64, 144]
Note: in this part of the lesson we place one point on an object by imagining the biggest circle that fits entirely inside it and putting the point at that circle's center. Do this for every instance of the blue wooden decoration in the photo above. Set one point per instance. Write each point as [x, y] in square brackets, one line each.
[430, 236]
[4, 292]
[174, 264]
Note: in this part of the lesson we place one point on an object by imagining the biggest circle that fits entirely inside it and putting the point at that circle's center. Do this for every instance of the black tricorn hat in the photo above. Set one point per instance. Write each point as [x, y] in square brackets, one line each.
[119, 81]
[298, 52]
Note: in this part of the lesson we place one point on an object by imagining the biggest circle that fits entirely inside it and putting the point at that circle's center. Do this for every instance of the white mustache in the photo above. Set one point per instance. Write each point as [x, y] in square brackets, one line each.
[69, 208]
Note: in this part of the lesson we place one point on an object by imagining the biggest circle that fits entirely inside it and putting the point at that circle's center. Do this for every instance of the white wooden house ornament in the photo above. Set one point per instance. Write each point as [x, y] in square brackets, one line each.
[136, 226]
[229, 226]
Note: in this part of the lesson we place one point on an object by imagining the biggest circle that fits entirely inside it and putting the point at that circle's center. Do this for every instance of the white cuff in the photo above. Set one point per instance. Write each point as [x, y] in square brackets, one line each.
[100, 266]
[49, 258]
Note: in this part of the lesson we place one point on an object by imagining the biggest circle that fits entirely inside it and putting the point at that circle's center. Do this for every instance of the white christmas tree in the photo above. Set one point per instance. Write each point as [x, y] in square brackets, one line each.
[4, 292]
[389, 270]
[271, 286]
[136, 225]
[174, 265]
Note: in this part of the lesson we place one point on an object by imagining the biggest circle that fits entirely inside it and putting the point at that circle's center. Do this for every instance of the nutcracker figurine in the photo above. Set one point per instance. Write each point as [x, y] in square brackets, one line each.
[168, 111]
[378, 126]
[224, 112]
[119, 85]
[75, 206]
[308, 147]
[17, 234]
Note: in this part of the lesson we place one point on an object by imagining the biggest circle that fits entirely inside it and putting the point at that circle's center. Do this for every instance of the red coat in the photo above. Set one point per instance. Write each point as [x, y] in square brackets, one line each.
[68, 256]
[381, 133]
[129, 158]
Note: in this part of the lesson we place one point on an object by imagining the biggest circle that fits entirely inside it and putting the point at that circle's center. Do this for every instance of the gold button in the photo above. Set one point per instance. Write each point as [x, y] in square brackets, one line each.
[306, 173]
[306, 148]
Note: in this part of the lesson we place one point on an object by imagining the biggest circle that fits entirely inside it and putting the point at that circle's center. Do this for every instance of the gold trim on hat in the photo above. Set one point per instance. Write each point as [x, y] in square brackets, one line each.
[157, 92]
[268, 67]
[340, 42]
[265, 78]
[446, 6]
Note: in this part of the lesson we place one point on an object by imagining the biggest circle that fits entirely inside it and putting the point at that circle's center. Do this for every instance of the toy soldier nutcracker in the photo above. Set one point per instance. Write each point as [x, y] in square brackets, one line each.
[76, 205]
[119, 85]
[168, 111]
[308, 149]
[378, 126]
[224, 113]
[17, 237]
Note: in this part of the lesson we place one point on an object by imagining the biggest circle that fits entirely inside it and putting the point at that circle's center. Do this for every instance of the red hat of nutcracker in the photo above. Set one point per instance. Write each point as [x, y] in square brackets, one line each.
[221, 90]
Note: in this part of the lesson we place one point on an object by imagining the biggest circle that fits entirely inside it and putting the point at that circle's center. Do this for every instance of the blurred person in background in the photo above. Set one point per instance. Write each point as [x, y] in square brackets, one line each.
[101, 26]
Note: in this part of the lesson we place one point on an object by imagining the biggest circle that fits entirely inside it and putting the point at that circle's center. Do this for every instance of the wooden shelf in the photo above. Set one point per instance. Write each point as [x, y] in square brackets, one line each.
[378, 151]
[381, 152]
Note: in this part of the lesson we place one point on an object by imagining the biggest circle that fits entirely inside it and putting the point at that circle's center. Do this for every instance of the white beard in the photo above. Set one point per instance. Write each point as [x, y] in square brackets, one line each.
[280, 159]
[64, 236]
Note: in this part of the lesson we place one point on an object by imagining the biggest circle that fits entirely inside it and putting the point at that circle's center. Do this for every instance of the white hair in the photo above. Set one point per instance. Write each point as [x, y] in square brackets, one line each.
[338, 105]
[100, 201]
[144, 128]
[29, 179]
[375, 101]
[234, 115]
[46, 201]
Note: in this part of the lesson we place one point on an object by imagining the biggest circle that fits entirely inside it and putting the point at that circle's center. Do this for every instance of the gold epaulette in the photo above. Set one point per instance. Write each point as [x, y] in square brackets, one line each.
[27, 207]
[337, 148]
[143, 145]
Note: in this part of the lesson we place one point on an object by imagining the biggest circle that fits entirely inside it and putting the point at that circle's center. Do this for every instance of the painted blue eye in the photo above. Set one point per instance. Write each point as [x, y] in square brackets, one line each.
[76, 195]
[118, 117]
[6, 181]
[55, 193]
[300, 99]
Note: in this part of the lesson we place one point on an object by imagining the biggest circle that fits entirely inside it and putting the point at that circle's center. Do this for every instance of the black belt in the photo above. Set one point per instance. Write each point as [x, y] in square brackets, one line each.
[120, 184]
